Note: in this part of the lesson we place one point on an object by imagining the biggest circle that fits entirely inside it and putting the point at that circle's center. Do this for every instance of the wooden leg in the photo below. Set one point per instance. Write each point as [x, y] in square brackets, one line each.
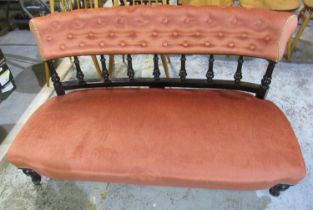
[293, 41]
[36, 178]
[165, 66]
[275, 191]
[95, 62]
[47, 74]
[111, 65]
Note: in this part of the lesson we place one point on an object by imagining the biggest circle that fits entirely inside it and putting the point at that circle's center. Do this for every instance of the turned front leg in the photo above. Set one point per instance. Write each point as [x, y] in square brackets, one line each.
[275, 191]
[36, 178]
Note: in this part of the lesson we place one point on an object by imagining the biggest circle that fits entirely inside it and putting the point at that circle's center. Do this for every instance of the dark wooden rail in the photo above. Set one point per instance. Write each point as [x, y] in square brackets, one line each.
[156, 82]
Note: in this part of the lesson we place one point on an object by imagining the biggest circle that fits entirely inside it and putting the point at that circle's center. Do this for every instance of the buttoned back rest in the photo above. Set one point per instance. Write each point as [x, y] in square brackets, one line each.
[164, 29]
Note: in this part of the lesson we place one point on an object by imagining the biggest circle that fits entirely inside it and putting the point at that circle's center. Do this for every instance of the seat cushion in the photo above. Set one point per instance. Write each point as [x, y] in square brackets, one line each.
[195, 138]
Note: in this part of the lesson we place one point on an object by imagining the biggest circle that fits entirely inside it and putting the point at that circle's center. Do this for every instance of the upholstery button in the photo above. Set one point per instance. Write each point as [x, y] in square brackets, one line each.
[99, 21]
[267, 38]
[220, 34]
[140, 21]
[91, 35]
[70, 36]
[207, 44]
[185, 44]
[197, 34]
[252, 47]
[164, 44]
[101, 44]
[62, 47]
[56, 25]
[143, 44]
[235, 21]
[243, 35]
[132, 34]
[77, 23]
[209, 20]
[154, 33]
[82, 44]
[165, 20]
[231, 45]
[187, 20]
[119, 20]
[175, 34]
[122, 44]
[111, 34]
[259, 23]
[49, 38]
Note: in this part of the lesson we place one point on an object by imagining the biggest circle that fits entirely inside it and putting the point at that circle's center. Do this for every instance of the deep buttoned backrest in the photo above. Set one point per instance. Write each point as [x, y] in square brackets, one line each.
[164, 29]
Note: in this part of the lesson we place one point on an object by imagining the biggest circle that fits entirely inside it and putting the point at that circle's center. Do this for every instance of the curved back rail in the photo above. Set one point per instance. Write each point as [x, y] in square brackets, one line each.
[166, 30]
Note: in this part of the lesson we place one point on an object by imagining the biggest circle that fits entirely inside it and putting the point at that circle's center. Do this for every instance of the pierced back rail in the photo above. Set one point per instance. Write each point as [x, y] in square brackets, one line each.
[156, 82]
[165, 30]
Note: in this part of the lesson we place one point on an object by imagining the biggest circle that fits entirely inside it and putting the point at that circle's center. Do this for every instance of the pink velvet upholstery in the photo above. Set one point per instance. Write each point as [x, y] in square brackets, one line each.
[199, 138]
[164, 29]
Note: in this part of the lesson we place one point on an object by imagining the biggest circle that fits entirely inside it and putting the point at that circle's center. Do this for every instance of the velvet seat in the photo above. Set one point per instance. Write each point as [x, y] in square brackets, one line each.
[198, 138]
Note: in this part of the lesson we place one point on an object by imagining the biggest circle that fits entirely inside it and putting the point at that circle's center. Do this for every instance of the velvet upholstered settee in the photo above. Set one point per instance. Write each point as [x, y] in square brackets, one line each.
[211, 133]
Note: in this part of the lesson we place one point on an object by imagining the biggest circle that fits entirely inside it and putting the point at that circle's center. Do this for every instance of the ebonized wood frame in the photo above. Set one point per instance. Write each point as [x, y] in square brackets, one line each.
[36, 179]
[260, 90]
